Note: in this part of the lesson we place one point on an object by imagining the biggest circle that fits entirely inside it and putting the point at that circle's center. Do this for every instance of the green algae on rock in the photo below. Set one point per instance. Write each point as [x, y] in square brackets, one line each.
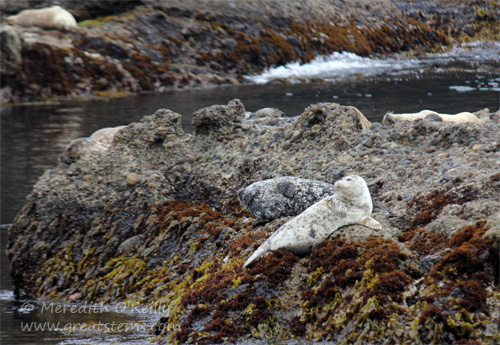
[176, 239]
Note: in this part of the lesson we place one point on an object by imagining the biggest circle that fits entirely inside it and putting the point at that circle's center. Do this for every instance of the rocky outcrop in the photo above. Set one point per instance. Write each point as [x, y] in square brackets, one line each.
[154, 220]
[458, 18]
[154, 46]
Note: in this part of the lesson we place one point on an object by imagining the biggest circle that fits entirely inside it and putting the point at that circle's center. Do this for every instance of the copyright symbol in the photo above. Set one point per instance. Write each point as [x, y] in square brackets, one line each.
[27, 306]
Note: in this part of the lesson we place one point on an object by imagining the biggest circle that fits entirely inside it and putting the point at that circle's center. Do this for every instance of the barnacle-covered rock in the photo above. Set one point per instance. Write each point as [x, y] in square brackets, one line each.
[154, 220]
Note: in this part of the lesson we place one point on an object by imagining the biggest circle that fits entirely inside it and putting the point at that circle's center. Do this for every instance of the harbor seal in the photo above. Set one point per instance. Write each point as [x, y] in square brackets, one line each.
[464, 117]
[105, 135]
[282, 196]
[72, 152]
[47, 18]
[351, 204]
[99, 141]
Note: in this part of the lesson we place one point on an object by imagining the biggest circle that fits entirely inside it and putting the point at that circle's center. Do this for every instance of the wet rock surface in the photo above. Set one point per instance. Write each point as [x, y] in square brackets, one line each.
[154, 220]
[124, 47]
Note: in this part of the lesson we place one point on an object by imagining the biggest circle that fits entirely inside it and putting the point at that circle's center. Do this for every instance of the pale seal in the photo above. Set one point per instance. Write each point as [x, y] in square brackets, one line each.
[48, 18]
[282, 196]
[464, 117]
[77, 146]
[351, 204]
[99, 141]
[106, 135]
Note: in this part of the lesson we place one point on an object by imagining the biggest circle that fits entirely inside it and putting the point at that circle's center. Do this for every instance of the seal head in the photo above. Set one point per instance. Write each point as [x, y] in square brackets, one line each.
[72, 152]
[99, 141]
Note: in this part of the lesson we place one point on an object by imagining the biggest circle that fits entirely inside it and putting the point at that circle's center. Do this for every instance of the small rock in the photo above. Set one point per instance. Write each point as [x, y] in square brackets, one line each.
[295, 136]
[74, 297]
[129, 244]
[316, 128]
[132, 179]
[367, 142]
[476, 147]
[341, 145]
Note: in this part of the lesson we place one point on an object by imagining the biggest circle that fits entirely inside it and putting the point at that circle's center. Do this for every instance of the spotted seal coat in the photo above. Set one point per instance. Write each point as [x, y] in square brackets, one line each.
[99, 141]
[282, 196]
[464, 117]
[351, 204]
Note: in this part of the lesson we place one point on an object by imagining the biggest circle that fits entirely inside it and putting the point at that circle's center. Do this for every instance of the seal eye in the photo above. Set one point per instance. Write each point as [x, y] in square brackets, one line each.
[70, 149]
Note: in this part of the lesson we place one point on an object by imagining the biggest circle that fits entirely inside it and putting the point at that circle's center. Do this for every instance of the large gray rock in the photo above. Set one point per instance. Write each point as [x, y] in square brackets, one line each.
[153, 221]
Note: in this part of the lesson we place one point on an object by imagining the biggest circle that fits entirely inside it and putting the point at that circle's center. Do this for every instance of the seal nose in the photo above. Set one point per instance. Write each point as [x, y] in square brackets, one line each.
[66, 160]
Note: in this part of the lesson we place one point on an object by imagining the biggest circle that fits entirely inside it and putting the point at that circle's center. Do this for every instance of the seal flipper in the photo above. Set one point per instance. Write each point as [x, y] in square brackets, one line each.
[262, 250]
[371, 223]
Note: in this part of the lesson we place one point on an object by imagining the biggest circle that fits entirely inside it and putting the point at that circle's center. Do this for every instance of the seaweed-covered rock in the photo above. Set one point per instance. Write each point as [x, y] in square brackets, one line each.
[154, 220]
[125, 47]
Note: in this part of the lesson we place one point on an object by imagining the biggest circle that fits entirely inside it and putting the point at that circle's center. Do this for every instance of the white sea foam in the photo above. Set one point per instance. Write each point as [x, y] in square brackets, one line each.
[348, 65]
[462, 88]
[334, 66]
[6, 295]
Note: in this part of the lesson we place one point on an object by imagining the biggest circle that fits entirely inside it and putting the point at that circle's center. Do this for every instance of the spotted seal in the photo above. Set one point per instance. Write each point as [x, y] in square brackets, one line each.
[464, 117]
[105, 135]
[351, 204]
[48, 18]
[99, 141]
[282, 196]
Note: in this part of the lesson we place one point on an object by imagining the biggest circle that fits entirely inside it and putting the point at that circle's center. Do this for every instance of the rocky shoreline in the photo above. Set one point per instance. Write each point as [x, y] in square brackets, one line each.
[123, 47]
[155, 221]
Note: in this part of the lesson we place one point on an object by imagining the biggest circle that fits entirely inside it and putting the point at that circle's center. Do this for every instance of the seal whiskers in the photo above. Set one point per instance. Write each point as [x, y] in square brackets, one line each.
[351, 204]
